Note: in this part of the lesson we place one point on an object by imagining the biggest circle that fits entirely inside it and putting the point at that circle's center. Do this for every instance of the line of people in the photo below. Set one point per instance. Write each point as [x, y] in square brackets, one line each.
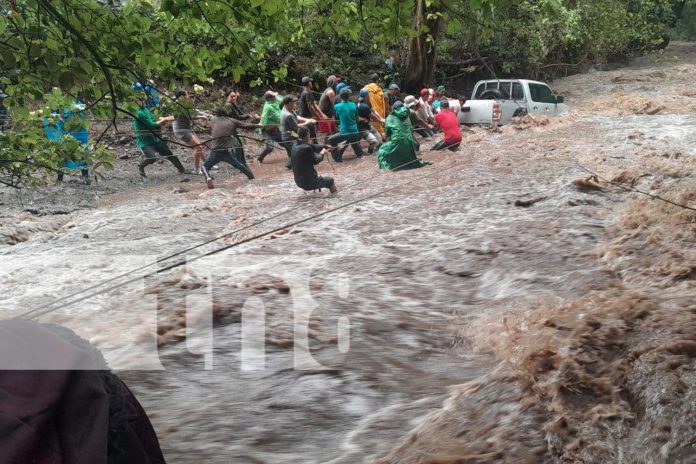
[294, 124]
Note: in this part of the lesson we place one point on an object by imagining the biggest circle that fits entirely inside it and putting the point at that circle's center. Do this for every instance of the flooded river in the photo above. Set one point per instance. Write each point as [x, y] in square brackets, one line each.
[499, 305]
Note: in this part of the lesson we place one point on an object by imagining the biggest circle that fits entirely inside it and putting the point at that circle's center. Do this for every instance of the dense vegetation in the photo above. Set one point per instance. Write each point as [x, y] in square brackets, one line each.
[94, 51]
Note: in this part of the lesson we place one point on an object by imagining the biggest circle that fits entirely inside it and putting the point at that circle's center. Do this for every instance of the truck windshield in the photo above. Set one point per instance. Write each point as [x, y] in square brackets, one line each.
[541, 93]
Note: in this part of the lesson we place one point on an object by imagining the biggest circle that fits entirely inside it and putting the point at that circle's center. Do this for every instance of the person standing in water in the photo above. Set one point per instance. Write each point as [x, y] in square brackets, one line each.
[290, 124]
[327, 101]
[184, 115]
[225, 145]
[304, 157]
[148, 140]
[270, 120]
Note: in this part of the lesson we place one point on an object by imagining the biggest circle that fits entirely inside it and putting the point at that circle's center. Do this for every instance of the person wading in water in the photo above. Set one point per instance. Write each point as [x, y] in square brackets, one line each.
[304, 157]
[225, 145]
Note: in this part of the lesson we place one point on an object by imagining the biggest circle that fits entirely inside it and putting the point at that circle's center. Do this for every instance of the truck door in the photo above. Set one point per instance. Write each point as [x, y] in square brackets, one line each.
[542, 101]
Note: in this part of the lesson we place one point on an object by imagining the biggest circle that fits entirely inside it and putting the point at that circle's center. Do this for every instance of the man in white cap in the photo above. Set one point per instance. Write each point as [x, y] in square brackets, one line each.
[419, 124]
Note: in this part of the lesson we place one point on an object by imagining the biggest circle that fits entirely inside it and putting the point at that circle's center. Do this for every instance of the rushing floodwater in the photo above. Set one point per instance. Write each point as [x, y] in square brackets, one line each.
[417, 274]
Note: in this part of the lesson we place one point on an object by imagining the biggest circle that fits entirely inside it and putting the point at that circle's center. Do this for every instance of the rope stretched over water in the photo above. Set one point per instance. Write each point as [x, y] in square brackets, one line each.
[633, 189]
[50, 307]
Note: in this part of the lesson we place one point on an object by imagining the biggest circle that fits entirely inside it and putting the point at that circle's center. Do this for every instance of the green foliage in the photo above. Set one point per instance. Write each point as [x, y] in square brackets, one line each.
[95, 52]
[685, 25]
[534, 37]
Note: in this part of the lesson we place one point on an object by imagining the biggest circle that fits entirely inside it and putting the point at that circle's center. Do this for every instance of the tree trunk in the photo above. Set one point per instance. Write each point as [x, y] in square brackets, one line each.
[420, 62]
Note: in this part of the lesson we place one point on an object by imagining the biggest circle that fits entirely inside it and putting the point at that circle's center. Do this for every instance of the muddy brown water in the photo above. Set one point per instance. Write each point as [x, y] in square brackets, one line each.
[492, 302]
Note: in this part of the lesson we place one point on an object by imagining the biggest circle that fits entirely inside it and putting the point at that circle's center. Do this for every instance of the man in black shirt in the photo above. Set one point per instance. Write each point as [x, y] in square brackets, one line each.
[225, 145]
[304, 157]
[233, 110]
[308, 107]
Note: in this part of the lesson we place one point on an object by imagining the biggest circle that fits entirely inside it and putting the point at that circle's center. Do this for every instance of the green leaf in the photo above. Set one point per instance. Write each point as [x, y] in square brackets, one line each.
[65, 80]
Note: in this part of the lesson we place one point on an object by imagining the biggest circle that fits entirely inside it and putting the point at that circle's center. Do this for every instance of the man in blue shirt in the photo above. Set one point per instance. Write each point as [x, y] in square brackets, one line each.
[347, 114]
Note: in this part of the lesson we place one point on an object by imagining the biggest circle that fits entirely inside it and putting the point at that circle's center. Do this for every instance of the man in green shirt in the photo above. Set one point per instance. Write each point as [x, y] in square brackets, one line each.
[148, 139]
[270, 120]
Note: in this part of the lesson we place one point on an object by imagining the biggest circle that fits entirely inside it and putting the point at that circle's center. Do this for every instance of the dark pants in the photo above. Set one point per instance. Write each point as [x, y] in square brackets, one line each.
[352, 138]
[312, 132]
[83, 172]
[151, 153]
[320, 183]
[272, 136]
[441, 145]
[288, 144]
[233, 156]
[424, 132]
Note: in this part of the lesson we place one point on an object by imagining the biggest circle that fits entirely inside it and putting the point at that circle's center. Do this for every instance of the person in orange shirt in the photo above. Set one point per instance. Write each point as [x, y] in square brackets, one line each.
[378, 102]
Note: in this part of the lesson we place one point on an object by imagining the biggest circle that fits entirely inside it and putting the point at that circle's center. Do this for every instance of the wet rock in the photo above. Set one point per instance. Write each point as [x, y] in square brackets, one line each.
[264, 283]
[581, 202]
[529, 202]
[586, 185]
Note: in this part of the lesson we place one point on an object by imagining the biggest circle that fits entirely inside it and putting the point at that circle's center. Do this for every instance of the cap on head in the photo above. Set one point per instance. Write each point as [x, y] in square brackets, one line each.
[345, 93]
[374, 77]
[364, 92]
[444, 103]
[3, 94]
[410, 101]
[424, 92]
[440, 88]
[394, 87]
[397, 105]
[270, 95]
[307, 80]
[289, 99]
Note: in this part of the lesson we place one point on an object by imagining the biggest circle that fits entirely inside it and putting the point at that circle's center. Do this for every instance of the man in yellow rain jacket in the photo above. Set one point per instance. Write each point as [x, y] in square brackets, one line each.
[377, 101]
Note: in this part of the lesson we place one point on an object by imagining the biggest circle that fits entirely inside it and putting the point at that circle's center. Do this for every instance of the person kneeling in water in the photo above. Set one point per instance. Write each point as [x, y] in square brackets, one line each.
[225, 145]
[304, 156]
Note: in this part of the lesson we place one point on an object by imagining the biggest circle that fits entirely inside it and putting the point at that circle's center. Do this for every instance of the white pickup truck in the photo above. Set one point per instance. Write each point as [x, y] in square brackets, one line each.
[502, 99]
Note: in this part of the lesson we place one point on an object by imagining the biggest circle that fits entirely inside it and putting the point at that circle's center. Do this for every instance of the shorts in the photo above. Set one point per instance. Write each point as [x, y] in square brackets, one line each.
[327, 126]
[185, 135]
